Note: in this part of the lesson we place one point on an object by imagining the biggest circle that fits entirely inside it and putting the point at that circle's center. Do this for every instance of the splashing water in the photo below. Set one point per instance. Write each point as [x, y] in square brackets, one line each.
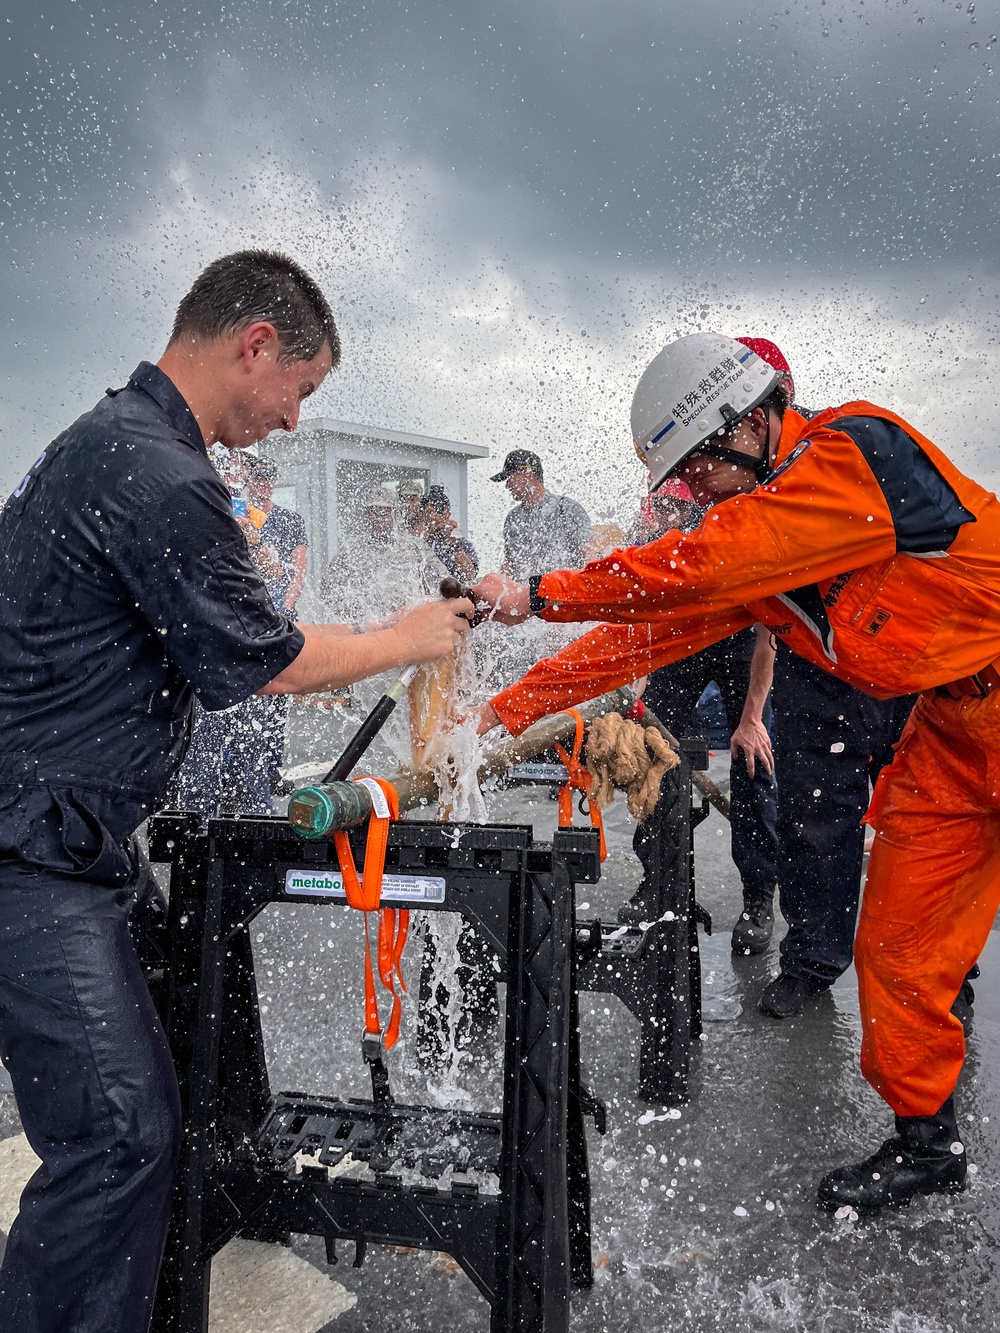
[368, 585]
[455, 752]
[458, 1012]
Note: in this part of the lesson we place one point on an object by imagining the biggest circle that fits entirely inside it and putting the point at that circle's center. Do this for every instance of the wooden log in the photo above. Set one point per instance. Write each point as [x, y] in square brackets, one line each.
[311, 812]
[430, 693]
[420, 787]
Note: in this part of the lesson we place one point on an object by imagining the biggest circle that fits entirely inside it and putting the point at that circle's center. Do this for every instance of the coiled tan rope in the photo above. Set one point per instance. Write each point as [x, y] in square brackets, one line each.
[623, 756]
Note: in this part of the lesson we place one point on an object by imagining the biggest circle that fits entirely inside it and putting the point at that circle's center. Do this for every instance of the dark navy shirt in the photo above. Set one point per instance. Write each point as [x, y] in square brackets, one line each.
[126, 586]
[445, 546]
[284, 531]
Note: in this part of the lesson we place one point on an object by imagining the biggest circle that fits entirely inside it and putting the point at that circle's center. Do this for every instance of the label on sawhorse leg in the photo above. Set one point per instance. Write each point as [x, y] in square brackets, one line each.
[301, 883]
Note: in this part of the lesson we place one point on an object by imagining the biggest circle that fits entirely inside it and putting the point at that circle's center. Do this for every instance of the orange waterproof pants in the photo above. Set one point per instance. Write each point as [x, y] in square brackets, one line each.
[930, 899]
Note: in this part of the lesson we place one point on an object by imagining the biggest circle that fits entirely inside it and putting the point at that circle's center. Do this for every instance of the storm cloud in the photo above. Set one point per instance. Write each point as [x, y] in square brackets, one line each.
[512, 207]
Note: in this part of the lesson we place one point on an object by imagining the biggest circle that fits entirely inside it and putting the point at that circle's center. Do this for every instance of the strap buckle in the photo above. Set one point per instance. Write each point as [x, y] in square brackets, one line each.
[373, 1054]
[373, 1048]
[577, 779]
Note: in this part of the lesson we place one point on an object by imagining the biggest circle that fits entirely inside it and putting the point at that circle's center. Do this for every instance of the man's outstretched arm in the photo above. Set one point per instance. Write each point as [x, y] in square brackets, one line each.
[607, 657]
[823, 514]
[751, 738]
[333, 656]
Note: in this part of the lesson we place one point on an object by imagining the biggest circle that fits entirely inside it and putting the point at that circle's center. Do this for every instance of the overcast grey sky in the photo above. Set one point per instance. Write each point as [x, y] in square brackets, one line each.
[513, 206]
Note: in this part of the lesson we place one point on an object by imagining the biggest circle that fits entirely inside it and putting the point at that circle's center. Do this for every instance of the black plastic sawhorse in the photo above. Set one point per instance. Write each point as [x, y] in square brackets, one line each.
[655, 968]
[257, 1164]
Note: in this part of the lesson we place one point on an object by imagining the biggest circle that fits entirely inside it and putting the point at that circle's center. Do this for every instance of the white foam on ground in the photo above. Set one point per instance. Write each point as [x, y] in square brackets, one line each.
[255, 1288]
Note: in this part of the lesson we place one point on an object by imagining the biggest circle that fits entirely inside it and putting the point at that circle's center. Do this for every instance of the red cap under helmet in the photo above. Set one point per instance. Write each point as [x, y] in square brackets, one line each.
[767, 351]
[676, 490]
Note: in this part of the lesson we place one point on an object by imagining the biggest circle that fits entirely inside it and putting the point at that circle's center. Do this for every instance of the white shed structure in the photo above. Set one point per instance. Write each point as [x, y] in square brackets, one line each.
[327, 468]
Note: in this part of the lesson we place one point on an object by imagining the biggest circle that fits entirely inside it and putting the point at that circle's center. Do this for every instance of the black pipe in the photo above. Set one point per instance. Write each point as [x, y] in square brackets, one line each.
[369, 728]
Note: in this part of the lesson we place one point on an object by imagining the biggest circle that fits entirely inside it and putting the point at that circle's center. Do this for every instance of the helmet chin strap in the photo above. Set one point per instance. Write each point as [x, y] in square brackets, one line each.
[761, 467]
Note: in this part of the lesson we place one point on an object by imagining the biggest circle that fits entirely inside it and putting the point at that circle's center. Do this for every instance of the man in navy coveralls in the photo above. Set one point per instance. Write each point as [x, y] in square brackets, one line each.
[126, 589]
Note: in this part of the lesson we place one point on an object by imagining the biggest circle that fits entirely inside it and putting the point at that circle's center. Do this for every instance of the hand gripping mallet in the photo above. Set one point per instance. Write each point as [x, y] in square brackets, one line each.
[376, 719]
[451, 588]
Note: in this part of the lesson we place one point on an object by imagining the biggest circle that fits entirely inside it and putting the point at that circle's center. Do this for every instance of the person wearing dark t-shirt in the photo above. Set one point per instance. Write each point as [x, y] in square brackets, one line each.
[284, 531]
[440, 531]
[126, 589]
[543, 531]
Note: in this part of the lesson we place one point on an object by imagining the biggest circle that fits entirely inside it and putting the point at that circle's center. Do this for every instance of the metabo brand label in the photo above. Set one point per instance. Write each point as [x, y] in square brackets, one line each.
[395, 888]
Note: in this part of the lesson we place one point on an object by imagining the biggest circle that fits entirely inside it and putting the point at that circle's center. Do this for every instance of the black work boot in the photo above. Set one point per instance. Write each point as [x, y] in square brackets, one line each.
[786, 996]
[752, 932]
[925, 1156]
[965, 999]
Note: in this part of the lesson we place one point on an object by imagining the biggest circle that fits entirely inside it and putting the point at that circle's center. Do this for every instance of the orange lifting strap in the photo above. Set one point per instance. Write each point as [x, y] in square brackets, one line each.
[365, 895]
[577, 779]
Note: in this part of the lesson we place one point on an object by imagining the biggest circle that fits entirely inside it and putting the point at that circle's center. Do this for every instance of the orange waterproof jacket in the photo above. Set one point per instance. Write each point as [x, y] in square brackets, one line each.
[866, 551]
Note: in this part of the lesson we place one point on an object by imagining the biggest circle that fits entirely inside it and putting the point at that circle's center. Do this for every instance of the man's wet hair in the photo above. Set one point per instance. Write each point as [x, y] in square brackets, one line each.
[777, 398]
[250, 285]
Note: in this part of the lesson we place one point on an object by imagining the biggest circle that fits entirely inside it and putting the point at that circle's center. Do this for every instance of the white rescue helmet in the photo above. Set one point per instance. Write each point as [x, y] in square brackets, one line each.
[700, 385]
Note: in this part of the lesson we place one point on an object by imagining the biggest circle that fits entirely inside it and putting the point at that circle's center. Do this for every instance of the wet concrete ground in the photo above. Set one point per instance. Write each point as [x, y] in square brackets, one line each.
[704, 1219]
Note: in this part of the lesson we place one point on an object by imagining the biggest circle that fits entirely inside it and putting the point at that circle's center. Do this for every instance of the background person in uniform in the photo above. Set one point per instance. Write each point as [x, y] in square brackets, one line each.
[668, 506]
[543, 531]
[409, 494]
[440, 531]
[540, 532]
[147, 598]
[381, 567]
[283, 531]
[741, 668]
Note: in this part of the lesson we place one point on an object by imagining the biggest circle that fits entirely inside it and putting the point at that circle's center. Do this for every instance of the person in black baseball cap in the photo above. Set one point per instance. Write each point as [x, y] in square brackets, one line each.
[544, 531]
[519, 460]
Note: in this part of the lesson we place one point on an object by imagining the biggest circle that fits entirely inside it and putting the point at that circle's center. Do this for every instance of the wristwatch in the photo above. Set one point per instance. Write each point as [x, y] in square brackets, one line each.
[536, 604]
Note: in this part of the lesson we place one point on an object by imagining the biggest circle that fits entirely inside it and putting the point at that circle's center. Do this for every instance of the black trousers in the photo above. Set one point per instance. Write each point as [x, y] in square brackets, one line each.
[97, 1096]
[672, 693]
[830, 742]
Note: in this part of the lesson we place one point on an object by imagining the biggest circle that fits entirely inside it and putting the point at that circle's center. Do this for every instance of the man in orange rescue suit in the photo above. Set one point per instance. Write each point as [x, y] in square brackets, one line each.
[863, 548]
